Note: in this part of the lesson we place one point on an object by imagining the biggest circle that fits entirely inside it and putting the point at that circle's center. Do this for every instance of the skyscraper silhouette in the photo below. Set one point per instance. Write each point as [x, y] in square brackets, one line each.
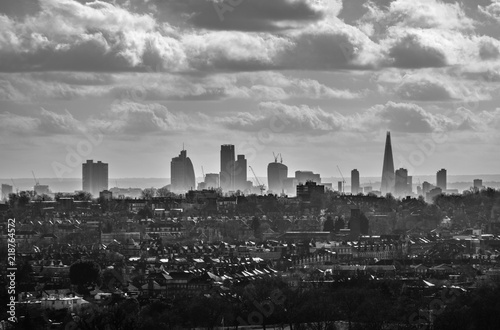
[227, 164]
[388, 179]
[355, 182]
[277, 173]
[94, 177]
[240, 173]
[182, 173]
[441, 179]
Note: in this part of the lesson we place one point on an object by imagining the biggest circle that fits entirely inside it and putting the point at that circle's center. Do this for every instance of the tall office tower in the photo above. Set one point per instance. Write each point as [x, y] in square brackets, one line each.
[441, 179]
[211, 181]
[94, 177]
[227, 162]
[388, 168]
[355, 182]
[182, 174]
[410, 185]
[240, 173]
[277, 173]
[401, 184]
[426, 187]
[304, 176]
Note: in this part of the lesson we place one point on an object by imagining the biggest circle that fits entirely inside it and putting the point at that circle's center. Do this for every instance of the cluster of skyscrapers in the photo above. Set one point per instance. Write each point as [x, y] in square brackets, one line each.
[233, 177]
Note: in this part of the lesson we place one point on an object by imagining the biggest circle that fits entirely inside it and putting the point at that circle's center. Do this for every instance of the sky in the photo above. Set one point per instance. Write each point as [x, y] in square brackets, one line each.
[130, 82]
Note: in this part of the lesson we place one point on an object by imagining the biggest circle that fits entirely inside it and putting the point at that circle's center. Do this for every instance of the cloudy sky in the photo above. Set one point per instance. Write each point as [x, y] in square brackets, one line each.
[320, 81]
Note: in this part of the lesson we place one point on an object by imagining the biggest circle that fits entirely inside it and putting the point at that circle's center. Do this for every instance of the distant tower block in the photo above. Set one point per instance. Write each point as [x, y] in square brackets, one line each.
[227, 167]
[355, 182]
[441, 179]
[388, 179]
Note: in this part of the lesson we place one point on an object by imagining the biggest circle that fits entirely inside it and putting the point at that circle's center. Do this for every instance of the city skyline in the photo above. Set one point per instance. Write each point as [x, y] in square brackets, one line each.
[322, 78]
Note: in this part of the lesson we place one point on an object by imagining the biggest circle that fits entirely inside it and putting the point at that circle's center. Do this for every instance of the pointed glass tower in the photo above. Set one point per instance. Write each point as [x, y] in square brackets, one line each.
[388, 179]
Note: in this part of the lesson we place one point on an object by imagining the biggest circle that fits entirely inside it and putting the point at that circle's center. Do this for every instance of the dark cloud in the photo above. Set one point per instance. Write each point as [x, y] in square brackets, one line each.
[409, 53]
[243, 15]
[423, 90]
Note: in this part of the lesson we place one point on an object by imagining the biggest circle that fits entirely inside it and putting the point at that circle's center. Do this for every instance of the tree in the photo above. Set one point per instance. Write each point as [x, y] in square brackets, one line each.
[148, 193]
[329, 225]
[85, 273]
[82, 196]
[339, 224]
[164, 192]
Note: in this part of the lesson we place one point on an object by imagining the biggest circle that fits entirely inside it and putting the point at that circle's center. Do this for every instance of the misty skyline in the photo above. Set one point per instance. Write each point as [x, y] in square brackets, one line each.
[318, 81]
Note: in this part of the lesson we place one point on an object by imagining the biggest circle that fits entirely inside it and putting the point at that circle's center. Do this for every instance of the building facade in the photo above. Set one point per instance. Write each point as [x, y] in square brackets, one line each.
[182, 174]
[94, 177]
[355, 182]
[240, 173]
[277, 173]
[227, 167]
[388, 180]
[441, 179]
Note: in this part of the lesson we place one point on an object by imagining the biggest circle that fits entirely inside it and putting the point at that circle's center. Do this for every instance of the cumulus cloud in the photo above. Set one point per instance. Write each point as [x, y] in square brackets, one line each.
[393, 116]
[492, 10]
[423, 14]
[424, 90]
[44, 123]
[130, 118]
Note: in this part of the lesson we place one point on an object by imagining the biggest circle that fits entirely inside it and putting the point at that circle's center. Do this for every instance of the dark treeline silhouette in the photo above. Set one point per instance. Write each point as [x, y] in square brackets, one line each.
[355, 303]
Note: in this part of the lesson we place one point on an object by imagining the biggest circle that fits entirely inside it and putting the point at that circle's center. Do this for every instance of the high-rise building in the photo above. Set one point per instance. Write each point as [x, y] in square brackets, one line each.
[426, 187]
[182, 174]
[388, 180]
[211, 181]
[6, 190]
[227, 164]
[304, 176]
[478, 183]
[355, 182]
[240, 173]
[441, 179]
[94, 177]
[401, 182]
[277, 173]
[409, 185]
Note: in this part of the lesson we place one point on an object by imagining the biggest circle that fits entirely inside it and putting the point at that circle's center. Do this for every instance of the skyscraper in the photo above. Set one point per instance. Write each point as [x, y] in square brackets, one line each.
[212, 181]
[304, 176]
[240, 173]
[94, 177]
[182, 173]
[388, 182]
[227, 164]
[401, 184]
[441, 179]
[355, 182]
[277, 173]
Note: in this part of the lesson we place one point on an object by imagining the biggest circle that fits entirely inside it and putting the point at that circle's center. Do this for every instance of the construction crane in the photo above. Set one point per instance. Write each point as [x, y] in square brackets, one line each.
[36, 181]
[14, 185]
[261, 186]
[343, 180]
